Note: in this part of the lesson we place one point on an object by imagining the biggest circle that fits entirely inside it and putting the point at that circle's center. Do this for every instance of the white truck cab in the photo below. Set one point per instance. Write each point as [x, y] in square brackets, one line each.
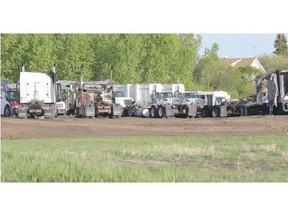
[121, 99]
[6, 109]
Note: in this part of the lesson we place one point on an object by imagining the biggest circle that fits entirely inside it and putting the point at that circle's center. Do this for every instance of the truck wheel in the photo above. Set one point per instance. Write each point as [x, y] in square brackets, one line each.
[161, 112]
[153, 112]
[205, 112]
[7, 111]
[76, 112]
[243, 111]
[215, 112]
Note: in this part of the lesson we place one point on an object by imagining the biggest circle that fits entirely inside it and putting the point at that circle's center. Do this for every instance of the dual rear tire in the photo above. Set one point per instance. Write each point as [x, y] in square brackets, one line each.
[157, 112]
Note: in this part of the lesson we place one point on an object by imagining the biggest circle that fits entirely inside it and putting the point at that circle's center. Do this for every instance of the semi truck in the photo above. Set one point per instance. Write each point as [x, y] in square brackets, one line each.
[37, 94]
[202, 104]
[62, 96]
[154, 100]
[214, 103]
[120, 93]
[93, 99]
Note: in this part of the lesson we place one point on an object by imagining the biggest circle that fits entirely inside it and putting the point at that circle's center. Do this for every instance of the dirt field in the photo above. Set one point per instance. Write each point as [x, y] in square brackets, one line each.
[12, 128]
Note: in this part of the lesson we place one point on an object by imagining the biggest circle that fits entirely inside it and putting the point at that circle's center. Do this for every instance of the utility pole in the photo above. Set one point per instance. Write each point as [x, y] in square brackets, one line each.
[254, 47]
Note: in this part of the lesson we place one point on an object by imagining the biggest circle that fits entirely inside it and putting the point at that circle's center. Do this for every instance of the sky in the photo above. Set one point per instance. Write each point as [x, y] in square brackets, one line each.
[240, 45]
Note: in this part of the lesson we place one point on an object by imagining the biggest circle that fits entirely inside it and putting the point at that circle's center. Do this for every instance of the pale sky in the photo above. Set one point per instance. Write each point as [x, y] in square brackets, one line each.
[240, 45]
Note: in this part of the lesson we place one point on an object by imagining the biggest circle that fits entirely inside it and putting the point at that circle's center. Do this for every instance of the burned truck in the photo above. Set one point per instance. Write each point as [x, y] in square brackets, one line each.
[271, 97]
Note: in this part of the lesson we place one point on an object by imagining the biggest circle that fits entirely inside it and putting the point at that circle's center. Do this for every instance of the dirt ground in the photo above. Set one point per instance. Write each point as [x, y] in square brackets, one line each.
[13, 128]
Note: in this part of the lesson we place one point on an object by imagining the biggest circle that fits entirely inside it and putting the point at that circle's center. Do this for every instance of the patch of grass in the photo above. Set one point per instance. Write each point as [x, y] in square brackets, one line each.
[149, 159]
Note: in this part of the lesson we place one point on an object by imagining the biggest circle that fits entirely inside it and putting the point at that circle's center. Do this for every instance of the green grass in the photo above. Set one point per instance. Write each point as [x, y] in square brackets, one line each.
[146, 159]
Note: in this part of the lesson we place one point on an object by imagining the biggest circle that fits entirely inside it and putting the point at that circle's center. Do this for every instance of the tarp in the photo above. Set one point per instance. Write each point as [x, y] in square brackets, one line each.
[272, 90]
[259, 90]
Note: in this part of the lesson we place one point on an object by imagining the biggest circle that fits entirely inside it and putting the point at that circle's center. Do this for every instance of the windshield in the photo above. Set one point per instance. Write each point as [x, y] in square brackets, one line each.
[12, 95]
[119, 94]
[165, 95]
[189, 95]
[220, 100]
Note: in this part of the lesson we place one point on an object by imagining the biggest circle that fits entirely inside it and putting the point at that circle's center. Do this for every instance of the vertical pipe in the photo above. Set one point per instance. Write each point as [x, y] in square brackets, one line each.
[23, 68]
[111, 75]
[81, 77]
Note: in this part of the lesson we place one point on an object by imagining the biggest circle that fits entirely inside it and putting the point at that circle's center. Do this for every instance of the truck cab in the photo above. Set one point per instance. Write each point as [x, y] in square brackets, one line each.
[214, 103]
[13, 97]
[121, 99]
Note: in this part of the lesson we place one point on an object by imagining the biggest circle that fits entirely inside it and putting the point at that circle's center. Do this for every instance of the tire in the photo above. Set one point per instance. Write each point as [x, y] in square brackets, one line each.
[243, 111]
[215, 112]
[205, 112]
[153, 112]
[161, 112]
[76, 112]
[7, 111]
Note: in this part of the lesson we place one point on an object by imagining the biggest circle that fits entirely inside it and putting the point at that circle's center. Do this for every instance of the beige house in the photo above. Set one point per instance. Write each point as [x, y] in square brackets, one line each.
[243, 62]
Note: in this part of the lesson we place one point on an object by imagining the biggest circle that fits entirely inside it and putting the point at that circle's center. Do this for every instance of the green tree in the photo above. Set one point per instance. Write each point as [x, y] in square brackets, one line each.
[73, 52]
[187, 57]
[39, 54]
[13, 53]
[280, 45]
[274, 62]
[127, 57]
[208, 67]
[211, 74]
[135, 57]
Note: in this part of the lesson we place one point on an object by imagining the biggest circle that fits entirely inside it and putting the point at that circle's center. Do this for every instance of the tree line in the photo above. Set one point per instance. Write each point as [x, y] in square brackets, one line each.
[136, 58]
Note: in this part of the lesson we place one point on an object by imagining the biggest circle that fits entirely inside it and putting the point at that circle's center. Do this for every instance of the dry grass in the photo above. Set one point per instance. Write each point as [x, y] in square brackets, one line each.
[284, 155]
[250, 156]
[246, 147]
[269, 147]
[185, 150]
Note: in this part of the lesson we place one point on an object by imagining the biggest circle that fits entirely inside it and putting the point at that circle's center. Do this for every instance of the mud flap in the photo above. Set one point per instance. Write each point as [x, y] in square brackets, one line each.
[223, 111]
[22, 113]
[192, 111]
[49, 113]
[117, 109]
[169, 111]
[89, 110]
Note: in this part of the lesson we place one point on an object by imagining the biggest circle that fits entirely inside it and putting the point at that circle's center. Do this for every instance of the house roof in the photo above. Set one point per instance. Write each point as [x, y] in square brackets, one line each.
[238, 62]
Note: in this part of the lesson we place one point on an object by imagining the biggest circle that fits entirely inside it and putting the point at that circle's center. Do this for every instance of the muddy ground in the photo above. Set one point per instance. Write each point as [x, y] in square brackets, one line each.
[13, 128]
